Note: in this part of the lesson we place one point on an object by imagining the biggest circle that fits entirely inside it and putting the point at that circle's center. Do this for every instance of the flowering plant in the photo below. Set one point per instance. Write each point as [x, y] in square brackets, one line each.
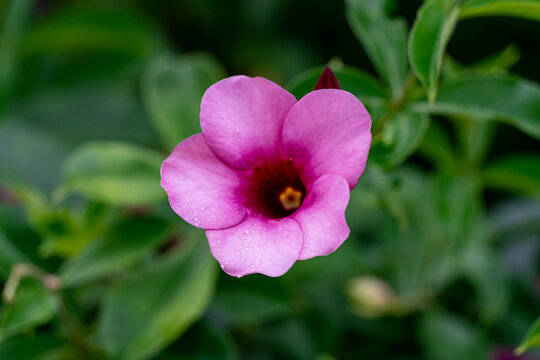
[269, 177]
[409, 158]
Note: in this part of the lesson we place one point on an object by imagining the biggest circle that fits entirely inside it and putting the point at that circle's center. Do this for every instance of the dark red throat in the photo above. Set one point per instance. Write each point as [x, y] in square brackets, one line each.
[265, 184]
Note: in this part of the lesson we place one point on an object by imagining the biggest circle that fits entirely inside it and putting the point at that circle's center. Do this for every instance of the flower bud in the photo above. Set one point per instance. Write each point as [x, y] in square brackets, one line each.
[327, 80]
[370, 296]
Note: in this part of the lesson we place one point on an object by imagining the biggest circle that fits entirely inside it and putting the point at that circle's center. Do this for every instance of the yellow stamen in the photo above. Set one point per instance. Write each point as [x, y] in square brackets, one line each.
[290, 198]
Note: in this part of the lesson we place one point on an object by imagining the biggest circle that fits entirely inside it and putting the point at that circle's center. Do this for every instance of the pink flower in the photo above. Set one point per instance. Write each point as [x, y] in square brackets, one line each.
[269, 177]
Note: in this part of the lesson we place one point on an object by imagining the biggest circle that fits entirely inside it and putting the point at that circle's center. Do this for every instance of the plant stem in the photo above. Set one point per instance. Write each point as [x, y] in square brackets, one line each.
[73, 328]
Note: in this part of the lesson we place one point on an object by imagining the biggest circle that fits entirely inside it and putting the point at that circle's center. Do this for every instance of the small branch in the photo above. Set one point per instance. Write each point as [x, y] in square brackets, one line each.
[19, 272]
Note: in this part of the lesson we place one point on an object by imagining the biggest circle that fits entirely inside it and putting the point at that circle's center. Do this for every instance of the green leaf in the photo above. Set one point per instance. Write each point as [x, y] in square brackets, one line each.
[115, 173]
[457, 201]
[429, 36]
[9, 256]
[437, 147]
[242, 306]
[447, 336]
[58, 228]
[88, 110]
[515, 172]
[514, 100]
[206, 340]
[351, 79]
[388, 193]
[14, 16]
[33, 305]
[528, 9]
[145, 313]
[122, 246]
[400, 138]
[93, 26]
[384, 39]
[475, 138]
[499, 62]
[481, 266]
[292, 339]
[172, 90]
[29, 155]
[531, 339]
[39, 346]
[421, 251]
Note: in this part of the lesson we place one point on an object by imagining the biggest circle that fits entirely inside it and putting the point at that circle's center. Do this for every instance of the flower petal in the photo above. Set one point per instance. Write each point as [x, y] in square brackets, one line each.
[328, 132]
[202, 190]
[322, 216]
[242, 118]
[257, 245]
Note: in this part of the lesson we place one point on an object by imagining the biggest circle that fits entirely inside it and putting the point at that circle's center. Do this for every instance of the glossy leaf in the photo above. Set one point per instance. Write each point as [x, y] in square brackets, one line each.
[122, 246]
[516, 172]
[528, 9]
[509, 99]
[384, 39]
[429, 36]
[172, 91]
[531, 339]
[351, 79]
[145, 313]
[32, 306]
[115, 173]
[400, 138]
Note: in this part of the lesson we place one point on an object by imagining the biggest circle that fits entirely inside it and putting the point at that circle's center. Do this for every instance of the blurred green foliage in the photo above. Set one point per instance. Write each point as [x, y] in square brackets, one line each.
[444, 255]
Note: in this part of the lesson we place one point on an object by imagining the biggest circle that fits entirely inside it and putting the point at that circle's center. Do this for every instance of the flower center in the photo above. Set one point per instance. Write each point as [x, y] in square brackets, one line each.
[274, 190]
[290, 198]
